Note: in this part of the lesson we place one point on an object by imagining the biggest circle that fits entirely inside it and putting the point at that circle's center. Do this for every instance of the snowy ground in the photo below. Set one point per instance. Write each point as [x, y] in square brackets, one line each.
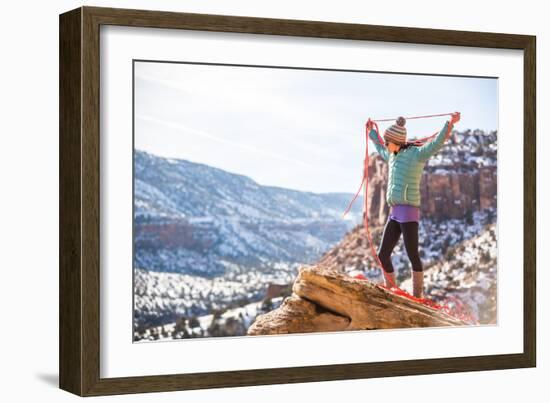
[162, 297]
[233, 322]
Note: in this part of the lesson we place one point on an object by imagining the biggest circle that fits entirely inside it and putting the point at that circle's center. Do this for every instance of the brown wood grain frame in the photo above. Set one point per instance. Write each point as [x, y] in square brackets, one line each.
[79, 175]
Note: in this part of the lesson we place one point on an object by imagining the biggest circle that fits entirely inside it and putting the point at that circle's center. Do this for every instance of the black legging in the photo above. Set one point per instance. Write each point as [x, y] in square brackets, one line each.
[392, 232]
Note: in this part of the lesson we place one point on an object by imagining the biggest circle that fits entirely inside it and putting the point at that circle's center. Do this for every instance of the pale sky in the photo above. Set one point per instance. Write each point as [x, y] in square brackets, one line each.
[298, 129]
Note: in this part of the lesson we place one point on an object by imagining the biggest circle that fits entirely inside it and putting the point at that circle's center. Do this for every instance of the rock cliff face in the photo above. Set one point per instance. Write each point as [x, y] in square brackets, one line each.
[326, 299]
[460, 179]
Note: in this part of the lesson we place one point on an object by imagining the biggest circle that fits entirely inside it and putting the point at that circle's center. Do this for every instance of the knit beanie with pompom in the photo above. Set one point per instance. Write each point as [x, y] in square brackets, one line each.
[397, 133]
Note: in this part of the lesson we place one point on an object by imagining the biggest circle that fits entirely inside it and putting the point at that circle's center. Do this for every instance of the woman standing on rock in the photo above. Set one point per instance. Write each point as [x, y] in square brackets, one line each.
[406, 162]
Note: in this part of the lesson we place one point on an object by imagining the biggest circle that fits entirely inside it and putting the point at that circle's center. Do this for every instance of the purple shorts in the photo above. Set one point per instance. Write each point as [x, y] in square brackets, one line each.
[405, 213]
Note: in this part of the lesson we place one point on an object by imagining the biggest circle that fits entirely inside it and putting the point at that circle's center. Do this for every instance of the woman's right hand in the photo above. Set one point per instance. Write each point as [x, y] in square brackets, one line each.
[369, 125]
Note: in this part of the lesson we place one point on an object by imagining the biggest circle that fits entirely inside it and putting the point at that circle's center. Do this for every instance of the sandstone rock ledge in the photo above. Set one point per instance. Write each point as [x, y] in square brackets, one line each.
[325, 300]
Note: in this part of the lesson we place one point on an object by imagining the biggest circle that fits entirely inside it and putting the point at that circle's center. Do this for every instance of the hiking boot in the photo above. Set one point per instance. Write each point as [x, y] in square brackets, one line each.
[418, 284]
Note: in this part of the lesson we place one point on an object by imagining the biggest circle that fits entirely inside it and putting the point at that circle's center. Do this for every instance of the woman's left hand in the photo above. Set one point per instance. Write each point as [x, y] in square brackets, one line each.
[455, 117]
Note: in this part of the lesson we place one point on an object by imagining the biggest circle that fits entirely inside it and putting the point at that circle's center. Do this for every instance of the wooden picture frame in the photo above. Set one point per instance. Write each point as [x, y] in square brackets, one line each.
[79, 285]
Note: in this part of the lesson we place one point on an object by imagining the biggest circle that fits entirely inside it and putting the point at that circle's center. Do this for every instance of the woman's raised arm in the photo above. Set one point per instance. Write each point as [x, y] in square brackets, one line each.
[431, 147]
[382, 150]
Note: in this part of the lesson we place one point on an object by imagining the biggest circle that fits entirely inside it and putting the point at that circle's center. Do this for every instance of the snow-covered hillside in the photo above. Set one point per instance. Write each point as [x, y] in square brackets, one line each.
[194, 219]
[205, 238]
[177, 188]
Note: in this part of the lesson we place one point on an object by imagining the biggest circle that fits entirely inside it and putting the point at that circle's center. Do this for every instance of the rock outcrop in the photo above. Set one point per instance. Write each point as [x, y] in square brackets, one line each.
[298, 315]
[325, 299]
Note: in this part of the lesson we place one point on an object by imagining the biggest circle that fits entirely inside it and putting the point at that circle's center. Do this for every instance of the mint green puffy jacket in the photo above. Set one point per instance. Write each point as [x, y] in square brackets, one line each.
[405, 168]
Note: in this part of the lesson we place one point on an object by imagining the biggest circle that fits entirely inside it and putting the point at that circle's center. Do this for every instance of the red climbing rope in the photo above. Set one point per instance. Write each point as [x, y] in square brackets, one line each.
[459, 312]
[413, 117]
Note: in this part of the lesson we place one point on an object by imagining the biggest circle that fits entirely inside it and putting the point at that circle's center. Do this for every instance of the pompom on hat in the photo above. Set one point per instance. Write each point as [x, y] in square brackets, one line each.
[397, 133]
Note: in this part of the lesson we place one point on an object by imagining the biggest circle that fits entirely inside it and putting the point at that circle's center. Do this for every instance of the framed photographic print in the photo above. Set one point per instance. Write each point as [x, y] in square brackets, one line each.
[249, 201]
